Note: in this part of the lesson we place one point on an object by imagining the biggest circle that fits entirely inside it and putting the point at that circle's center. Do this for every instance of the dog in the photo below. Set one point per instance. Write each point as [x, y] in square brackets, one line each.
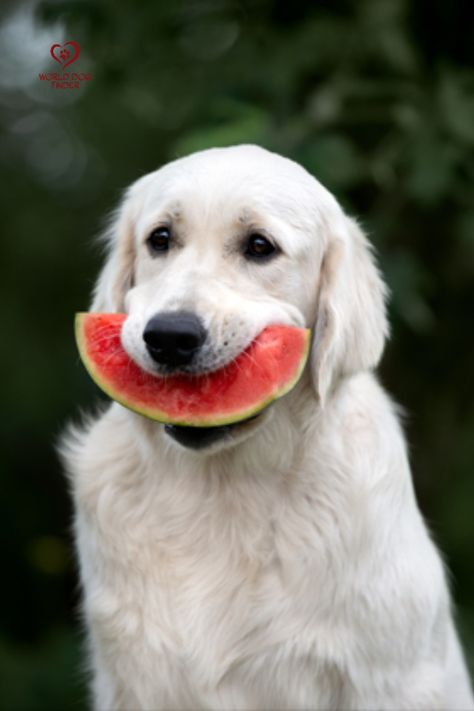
[278, 563]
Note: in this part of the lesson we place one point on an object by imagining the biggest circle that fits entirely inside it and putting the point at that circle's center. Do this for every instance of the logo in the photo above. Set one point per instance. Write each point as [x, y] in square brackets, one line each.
[65, 54]
[62, 54]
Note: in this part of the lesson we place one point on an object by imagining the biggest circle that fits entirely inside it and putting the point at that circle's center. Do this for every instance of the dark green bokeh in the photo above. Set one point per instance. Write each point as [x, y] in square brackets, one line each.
[375, 97]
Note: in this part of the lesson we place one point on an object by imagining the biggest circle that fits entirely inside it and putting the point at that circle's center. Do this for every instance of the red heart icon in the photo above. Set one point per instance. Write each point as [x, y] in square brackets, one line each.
[63, 55]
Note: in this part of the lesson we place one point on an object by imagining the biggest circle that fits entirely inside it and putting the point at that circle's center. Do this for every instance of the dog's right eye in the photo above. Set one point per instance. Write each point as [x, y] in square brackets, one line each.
[159, 240]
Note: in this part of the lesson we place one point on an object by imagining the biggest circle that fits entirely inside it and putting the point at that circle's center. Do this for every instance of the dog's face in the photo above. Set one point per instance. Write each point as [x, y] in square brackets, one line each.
[209, 250]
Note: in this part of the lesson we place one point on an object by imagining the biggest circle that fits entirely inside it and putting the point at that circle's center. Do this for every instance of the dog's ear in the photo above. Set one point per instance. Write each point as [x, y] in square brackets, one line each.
[351, 324]
[116, 277]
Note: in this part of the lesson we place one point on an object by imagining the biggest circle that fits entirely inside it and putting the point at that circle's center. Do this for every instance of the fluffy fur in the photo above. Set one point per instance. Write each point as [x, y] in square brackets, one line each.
[289, 566]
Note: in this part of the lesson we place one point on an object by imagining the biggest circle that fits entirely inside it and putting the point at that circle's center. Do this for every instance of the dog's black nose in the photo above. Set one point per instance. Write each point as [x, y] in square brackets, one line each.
[174, 337]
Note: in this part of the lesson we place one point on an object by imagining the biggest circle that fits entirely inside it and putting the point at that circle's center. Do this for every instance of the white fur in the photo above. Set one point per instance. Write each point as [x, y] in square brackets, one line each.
[291, 568]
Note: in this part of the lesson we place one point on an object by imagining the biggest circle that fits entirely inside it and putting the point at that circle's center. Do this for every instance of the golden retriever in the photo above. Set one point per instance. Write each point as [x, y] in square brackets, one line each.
[279, 563]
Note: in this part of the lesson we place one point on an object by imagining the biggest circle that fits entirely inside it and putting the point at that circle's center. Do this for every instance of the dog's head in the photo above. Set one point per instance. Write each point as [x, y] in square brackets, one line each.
[208, 250]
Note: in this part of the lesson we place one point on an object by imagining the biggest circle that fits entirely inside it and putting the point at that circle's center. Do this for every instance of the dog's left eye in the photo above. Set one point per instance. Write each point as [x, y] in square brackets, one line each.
[258, 247]
[159, 240]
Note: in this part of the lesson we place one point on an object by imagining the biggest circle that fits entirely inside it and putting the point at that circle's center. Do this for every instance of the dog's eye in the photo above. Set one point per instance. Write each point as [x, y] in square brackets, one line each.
[258, 247]
[159, 240]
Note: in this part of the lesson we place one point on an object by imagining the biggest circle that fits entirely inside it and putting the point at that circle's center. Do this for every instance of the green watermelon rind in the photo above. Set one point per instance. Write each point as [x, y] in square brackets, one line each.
[160, 415]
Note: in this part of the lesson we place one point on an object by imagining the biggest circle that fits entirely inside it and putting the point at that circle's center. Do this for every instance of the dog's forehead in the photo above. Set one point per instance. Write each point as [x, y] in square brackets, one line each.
[237, 182]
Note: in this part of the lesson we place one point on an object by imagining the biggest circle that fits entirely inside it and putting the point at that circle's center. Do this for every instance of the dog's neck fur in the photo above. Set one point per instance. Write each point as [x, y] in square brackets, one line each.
[258, 456]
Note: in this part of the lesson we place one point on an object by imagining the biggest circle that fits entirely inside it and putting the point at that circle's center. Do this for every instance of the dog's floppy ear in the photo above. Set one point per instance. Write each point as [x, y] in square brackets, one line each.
[116, 277]
[351, 324]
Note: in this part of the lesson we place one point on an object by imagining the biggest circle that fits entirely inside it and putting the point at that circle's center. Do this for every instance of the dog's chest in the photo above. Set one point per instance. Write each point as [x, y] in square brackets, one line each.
[206, 591]
[228, 592]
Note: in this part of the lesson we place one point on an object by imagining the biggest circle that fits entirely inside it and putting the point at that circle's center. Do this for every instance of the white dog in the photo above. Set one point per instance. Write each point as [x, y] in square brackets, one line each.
[281, 563]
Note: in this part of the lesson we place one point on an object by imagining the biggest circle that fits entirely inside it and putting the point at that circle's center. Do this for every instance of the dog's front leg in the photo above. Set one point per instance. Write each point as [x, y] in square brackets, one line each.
[138, 681]
[436, 684]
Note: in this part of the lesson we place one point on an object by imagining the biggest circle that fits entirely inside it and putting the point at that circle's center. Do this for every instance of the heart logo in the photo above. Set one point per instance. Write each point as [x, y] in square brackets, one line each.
[65, 54]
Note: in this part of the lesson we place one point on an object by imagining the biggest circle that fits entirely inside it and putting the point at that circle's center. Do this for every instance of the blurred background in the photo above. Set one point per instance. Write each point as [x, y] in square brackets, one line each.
[375, 97]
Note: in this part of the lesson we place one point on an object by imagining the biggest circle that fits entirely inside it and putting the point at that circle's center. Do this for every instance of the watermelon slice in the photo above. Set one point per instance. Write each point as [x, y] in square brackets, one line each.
[266, 370]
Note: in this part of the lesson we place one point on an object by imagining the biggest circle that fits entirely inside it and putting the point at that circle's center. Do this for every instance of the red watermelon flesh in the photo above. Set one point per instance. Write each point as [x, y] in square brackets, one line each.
[263, 372]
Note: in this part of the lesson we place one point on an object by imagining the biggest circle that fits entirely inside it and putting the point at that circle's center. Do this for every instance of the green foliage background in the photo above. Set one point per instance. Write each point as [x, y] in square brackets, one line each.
[375, 97]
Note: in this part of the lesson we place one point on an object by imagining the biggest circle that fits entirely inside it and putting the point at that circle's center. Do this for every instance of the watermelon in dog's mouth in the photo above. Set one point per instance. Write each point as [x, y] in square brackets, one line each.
[196, 409]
